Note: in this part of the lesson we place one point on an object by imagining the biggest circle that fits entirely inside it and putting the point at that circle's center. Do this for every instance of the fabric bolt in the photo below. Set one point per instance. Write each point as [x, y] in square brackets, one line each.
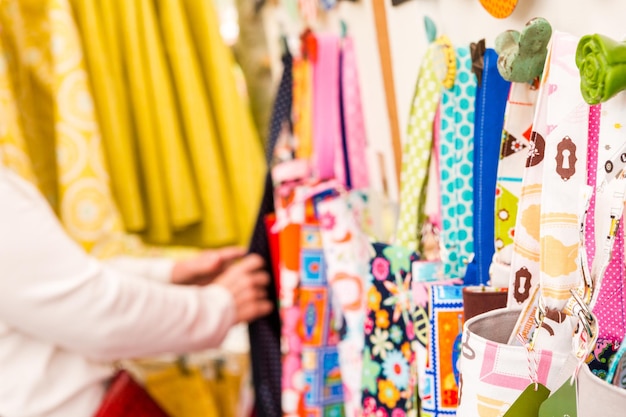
[389, 358]
[201, 136]
[347, 261]
[327, 147]
[111, 105]
[516, 140]
[356, 136]
[265, 332]
[456, 153]
[240, 145]
[488, 119]
[416, 152]
[439, 390]
[161, 97]
[156, 133]
[86, 205]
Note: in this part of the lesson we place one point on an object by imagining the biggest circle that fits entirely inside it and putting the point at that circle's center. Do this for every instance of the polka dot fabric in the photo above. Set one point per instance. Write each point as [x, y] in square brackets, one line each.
[416, 153]
[606, 129]
[456, 165]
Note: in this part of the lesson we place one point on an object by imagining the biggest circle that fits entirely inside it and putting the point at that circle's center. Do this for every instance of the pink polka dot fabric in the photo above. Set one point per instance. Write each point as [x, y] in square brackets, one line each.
[609, 308]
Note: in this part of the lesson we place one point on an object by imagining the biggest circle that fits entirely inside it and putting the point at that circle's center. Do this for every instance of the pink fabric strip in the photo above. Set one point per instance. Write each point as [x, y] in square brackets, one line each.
[611, 297]
[592, 167]
[327, 146]
[355, 125]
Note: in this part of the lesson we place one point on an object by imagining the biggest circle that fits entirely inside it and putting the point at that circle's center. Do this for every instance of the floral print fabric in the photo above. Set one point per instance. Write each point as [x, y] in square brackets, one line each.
[388, 360]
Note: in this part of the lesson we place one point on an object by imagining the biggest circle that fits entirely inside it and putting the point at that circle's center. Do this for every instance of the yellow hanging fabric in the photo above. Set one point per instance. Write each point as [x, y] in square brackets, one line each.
[26, 40]
[182, 394]
[132, 49]
[218, 226]
[13, 149]
[177, 174]
[241, 146]
[303, 107]
[105, 77]
[87, 209]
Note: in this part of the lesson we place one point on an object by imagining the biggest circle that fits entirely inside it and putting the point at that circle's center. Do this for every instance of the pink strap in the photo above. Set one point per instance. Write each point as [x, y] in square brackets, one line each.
[592, 166]
[327, 146]
[355, 126]
[609, 306]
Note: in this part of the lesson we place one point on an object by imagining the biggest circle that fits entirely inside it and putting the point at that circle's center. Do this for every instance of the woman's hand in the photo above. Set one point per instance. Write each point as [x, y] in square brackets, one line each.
[247, 282]
[205, 267]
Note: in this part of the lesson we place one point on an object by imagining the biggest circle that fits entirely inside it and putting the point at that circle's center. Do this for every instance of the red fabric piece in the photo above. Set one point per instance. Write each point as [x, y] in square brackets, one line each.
[126, 398]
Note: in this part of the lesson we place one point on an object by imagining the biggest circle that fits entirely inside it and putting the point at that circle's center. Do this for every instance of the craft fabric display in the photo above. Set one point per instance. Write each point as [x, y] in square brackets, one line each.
[388, 361]
[347, 261]
[456, 149]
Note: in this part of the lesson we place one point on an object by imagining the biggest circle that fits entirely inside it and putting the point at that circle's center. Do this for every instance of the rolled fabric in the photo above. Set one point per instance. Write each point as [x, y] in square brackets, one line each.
[602, 64]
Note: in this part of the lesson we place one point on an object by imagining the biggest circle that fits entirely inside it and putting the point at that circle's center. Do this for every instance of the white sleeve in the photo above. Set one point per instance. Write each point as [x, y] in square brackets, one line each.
[156, 269]
[52, 290]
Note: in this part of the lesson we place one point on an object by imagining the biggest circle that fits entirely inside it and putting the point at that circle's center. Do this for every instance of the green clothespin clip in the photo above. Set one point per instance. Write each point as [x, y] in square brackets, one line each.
[522, 55]
[431, 29]
[344, 28]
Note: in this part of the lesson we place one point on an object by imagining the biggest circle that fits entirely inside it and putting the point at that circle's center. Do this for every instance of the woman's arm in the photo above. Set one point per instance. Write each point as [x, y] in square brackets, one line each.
[53, 291]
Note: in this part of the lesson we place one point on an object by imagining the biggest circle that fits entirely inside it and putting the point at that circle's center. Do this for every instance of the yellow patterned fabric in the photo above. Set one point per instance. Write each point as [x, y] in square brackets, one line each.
[13, 149]
[105, 75]
[25, 39]
[129, 120]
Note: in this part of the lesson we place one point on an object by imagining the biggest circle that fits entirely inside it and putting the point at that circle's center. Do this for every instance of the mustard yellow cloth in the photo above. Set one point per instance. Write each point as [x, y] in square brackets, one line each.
[241, 147]
[218, 224]
[112, 110]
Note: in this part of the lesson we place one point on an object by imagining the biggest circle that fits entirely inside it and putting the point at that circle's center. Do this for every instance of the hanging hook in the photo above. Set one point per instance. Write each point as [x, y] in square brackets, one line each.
[344, 28]
[522, 55]
[431, 29]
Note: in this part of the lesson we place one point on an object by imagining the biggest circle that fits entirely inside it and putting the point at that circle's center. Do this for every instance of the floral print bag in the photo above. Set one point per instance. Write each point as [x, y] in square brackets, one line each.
[389, 371]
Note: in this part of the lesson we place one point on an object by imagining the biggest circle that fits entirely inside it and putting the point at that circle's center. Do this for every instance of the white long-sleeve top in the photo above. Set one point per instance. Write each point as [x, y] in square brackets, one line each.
[64, 316]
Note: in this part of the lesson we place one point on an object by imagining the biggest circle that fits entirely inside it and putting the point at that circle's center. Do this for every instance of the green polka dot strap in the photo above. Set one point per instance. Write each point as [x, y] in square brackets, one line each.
[417, 151]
